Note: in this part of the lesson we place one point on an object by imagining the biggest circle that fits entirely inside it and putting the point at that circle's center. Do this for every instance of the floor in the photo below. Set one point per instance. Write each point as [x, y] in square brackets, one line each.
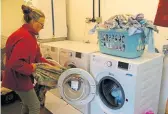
[57, 105]
[15, 108]
[53, 105]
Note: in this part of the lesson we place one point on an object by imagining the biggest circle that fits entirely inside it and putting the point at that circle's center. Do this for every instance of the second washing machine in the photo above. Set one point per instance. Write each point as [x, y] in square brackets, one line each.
[114, 85]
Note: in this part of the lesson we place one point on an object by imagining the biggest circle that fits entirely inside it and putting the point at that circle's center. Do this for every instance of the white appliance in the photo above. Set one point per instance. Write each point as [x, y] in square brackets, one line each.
[114, 85]
[49, 52]
[78, 88]
[126, 86]
[69, 53]
[76, 55]
[162, 46]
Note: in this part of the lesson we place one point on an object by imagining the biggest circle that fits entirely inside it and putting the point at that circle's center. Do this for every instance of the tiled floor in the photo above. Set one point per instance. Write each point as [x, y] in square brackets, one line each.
[15, 108]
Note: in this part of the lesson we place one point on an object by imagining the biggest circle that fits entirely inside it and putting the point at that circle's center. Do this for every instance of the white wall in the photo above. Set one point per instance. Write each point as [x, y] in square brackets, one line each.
[59, 18]
[78, 10]
[11, 16]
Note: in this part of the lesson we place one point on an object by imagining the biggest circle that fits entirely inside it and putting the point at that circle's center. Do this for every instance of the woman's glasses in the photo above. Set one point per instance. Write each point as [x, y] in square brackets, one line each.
[42, 25]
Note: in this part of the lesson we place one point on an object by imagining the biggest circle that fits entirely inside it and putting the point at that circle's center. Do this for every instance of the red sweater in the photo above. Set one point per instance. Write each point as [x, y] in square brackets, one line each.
[21, 50]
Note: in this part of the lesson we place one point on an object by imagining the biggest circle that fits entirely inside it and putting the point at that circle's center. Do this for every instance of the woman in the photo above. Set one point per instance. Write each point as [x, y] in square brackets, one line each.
[22, 51]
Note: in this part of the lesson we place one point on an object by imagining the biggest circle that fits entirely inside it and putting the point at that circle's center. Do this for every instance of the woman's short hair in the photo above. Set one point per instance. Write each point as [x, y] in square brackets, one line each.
[31, 13]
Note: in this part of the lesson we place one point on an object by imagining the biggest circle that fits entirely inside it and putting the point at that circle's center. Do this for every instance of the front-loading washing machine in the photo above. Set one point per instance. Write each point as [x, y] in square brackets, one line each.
[126, 86]
[114, 85]
[69, 53]
[49, 52]
[77, 56]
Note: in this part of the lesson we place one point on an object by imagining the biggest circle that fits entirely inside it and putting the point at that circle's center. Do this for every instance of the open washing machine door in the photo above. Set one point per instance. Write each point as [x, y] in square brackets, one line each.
[77, 86]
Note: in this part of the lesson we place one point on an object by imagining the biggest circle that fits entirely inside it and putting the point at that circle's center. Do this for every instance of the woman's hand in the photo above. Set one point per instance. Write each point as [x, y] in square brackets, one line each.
[5, 90]
[34, 66]
[54, 63]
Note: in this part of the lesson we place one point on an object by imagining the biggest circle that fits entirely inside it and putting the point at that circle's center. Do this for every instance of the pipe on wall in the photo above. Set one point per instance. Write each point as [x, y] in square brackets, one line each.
[99, 8]
[53, 24]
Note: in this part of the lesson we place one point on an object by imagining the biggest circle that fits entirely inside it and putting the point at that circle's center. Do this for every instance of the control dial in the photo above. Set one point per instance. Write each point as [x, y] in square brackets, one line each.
[109, 63]
[70, 54]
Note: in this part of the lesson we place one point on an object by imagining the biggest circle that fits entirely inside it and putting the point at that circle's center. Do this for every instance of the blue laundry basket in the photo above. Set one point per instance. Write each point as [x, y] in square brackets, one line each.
[119, 43]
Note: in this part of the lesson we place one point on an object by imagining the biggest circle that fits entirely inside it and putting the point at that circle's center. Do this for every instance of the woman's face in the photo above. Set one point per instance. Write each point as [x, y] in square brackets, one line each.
[39, 24]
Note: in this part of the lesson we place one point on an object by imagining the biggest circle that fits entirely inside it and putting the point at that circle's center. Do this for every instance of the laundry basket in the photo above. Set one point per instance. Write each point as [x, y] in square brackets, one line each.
[119, 43]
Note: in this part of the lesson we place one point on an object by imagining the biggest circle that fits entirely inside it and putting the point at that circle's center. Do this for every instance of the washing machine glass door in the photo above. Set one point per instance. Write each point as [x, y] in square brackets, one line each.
[77, 86]
[111, 92]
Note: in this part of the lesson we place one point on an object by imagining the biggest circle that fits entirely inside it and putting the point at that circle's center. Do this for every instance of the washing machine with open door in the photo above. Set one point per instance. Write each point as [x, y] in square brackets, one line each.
[78, 88]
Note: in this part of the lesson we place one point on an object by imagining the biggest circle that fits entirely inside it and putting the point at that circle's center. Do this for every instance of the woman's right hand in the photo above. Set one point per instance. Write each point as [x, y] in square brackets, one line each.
[54, 63]
[34, 66]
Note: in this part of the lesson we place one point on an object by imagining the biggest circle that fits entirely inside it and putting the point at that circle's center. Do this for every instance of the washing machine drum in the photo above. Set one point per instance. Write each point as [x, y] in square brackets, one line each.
[75, 87]
[111, 93]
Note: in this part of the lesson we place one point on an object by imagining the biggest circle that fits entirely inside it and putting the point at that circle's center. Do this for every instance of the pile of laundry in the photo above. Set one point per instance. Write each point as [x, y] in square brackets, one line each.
[132, 24]
[47, 75]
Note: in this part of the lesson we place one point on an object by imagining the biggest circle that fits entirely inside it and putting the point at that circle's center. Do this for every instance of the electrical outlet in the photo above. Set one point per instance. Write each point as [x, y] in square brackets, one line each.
[98, 19]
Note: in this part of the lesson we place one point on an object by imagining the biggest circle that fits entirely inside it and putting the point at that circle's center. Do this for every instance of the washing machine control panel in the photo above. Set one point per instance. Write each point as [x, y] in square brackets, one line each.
[78, 55]
[123, 65]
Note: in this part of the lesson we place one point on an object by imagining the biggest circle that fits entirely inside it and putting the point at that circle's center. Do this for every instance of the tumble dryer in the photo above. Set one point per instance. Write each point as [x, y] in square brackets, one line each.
[114, 85]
